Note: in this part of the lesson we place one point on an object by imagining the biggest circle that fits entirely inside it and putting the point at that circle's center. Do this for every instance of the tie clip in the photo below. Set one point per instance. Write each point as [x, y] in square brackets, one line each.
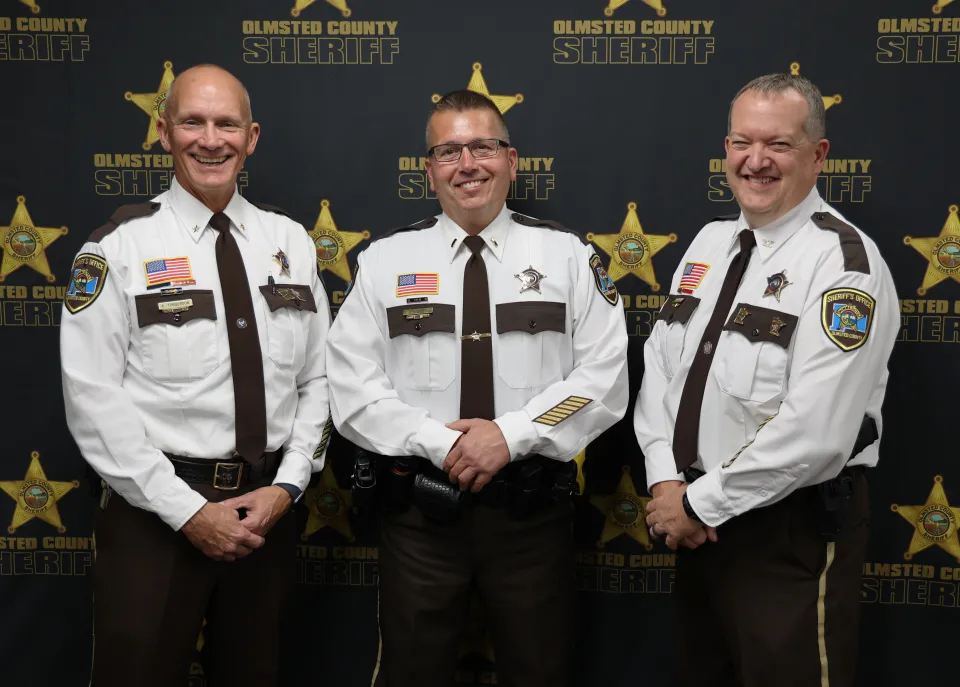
[475, 336]
[417, 313]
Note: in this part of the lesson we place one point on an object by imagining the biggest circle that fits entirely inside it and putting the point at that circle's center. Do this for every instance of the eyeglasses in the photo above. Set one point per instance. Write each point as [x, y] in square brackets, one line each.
[480, 148]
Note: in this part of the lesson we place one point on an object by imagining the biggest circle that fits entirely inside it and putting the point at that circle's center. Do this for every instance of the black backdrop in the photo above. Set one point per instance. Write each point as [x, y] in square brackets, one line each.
[620, 128]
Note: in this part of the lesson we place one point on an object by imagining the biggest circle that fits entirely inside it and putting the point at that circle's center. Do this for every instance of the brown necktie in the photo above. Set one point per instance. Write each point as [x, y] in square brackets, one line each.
[687, 432]
[245, 357]
[476, 345]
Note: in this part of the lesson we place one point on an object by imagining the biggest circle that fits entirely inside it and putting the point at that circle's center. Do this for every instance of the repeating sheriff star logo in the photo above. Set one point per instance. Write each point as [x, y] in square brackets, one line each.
[941, 252]
[333, 244]
[938, 7]
[935, 523]
[26, 244]
[479, 85]
[614, 5]
[36, 496]
[329, 506]
[631, 251]
[301, 5]
[153, 103]
[828, 100]
[626, 513]
[35, 8]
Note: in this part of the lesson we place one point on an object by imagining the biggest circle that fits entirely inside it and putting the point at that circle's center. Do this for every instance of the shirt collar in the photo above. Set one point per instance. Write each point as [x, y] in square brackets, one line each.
[195, 216]
[771, 237]
[494, 235]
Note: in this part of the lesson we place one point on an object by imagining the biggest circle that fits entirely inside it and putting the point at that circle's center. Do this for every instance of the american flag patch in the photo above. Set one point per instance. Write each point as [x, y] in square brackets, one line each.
[164, 271]
[419, 284]
[693, 274]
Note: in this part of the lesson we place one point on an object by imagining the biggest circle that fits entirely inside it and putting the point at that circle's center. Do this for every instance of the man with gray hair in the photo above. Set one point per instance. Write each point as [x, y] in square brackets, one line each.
[759, 410]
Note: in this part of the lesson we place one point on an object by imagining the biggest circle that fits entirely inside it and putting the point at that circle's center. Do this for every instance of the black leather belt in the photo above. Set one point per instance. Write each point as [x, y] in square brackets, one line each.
[227, 475]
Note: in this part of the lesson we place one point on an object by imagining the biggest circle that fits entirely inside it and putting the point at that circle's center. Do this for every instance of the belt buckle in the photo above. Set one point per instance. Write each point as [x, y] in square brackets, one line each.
[226, 476]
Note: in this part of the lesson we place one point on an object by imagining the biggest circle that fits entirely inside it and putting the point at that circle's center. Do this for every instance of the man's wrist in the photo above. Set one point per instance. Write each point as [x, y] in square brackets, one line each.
[293, 490]
[688, 509]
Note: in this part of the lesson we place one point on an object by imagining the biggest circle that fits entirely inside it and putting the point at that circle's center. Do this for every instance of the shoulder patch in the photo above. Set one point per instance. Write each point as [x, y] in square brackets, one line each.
[122, 214]
[87, 277]
[732, 217]
[605, 284]
[546, 224]
[271, 208]
[422, 224]
[846, 316]
[854, 253]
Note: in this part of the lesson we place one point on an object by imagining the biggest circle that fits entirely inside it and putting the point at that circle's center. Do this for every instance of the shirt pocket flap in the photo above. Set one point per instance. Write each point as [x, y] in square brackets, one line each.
[175, 308]
[419, 320]
[678, 309]
[531, 317]
[298, 296]
[762, 324]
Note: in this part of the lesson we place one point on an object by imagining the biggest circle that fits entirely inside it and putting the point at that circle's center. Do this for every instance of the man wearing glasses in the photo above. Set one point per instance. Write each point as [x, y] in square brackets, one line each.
[477, 352]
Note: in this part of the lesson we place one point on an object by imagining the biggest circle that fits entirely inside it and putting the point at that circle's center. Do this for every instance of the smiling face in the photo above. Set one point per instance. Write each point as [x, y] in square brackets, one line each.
[207, 128]
[771, 162]
[471, 191]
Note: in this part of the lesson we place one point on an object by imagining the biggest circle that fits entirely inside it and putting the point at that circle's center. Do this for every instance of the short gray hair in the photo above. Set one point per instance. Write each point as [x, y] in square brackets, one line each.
[463, 101]
[816, 125]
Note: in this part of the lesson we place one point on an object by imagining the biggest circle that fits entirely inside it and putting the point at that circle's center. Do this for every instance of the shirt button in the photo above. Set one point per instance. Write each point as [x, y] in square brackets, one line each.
[756, 332]
[418, 326]
[241, 323]
[533, 324]
[176, 317]
[721, 513]
[763, 492]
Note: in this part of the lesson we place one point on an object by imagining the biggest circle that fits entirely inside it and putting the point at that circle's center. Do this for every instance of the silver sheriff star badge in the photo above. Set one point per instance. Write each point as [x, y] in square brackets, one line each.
[530, 279]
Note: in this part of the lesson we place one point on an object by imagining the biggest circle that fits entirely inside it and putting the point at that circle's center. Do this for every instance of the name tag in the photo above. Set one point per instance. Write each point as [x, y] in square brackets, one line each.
[417, 313]
[176, 306]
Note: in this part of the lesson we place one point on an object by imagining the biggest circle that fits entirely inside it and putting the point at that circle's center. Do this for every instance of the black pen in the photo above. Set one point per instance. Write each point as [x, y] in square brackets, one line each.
[273, 284]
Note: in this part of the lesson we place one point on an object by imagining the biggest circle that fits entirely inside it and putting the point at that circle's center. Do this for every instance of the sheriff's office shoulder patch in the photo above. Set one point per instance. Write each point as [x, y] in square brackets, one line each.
[563, 410]
[87, 278]
[846, 316]
[605, 284]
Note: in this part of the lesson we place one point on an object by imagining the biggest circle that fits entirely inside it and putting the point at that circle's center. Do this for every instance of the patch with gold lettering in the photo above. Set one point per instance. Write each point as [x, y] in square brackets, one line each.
[846, 316]
[86, 281]
[563, 410]
[605, 284]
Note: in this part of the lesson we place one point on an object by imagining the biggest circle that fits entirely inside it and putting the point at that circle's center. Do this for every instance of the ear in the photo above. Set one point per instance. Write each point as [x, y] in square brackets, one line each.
[512, 158]
[164, 133]
[820, 153]
[252, 138]
[429, 160]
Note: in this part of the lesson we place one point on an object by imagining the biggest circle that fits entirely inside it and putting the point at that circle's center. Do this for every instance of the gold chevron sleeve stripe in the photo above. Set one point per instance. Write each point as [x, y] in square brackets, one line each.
[563, 410]
[324, 437]
[822, 617]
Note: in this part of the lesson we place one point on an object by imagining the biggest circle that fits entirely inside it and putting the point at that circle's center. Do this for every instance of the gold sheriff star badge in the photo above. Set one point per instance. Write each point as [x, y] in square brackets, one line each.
[35, 8]
[625, 511]
[329, 506]
[935, 523]
[36, 496]
[942, 253]
[300, 5]
[26, 244]
[479, 85]
[153, 104]
[614, 5]
[631, 250]
[940, 4]
[828, 100]
[333, 244]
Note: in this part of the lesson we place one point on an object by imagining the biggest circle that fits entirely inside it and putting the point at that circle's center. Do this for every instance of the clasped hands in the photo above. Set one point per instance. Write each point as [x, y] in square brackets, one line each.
[479, 454]
[666, 517]
[217, 530]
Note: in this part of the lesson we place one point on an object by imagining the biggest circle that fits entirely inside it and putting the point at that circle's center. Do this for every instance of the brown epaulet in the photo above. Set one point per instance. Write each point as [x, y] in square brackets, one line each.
[546, 224]
[271, 208]
[854, 253]
[124, 213]
[422, 224]
[732, 217]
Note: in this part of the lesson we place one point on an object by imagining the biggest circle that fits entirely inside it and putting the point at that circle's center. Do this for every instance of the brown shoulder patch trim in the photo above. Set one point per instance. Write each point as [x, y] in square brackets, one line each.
[422, 224]
[546, 224]
[854, 253]
[124, 213]
[271, 208]
[732, 217]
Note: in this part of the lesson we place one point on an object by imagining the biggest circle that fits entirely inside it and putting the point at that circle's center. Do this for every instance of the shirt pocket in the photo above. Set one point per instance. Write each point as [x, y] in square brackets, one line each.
[178, 335]
[426, 345]
[753, 353]
[288, 305]
[675, 313]
[529, 342]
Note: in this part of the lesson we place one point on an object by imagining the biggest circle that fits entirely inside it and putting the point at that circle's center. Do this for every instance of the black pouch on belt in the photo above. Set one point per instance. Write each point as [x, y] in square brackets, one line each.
[436, 497]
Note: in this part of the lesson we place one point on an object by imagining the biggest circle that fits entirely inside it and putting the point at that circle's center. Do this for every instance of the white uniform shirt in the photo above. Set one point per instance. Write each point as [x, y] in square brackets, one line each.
[779, 412]
[135, 389]
[559, 354]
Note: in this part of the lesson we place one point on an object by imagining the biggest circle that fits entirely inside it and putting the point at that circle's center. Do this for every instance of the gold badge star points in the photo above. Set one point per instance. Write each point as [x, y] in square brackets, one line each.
[631, 251]
[333, 244]
[300, 5]
[939, 5]
[153, 103]
[35, 8]
[26, 244]
[36, 496]
[479, 85]
[942, 252]
[329, 506]
[614, 5]
[935, 523]
[828, 100]
[625, 511]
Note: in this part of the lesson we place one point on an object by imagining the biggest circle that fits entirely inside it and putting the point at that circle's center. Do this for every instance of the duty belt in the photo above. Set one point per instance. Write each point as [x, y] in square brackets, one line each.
[227, 475]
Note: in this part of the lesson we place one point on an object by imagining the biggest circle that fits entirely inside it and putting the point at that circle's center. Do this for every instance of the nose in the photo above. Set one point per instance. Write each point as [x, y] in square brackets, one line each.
[757, 157]
[467, 162]
[210, 138]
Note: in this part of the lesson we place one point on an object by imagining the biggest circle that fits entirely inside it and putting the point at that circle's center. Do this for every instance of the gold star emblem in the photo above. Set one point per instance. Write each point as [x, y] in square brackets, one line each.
[333, 244]
[614, 5]
[942, 252]
[940, 4]
[300, 5]
[36, 496]
[26, 244]
[35, 8]
[329, 506]
[625, 511]
[828, 100]
[153, 104]
[479, 85]
[631, 250]
[935, 523]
